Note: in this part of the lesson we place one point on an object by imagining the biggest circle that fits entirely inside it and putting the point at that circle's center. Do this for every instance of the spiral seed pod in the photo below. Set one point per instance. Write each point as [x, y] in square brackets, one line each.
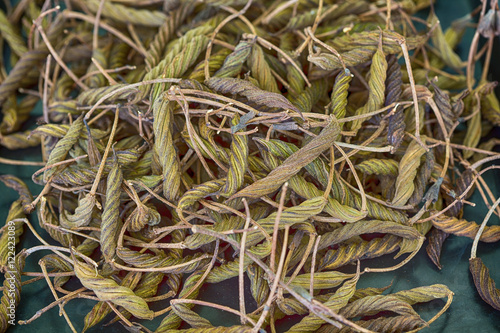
[164, 148]
[108, 290]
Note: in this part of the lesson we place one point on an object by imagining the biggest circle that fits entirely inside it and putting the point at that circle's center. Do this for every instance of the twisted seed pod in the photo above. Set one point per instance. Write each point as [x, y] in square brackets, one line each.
[376, 83]
[96, 315]
[142, 215]
[422, 180]
[231, 268]
[295, 214]
[350, 252]
[394, 81]
[308, 98]
[108, 290]
[14, 114]
[461, 185]
[19, 140]
[302, 20]
[78, 175]
[63, 146]
[102, 309]
[423, 294]
[258, 285]
[164, 148]
[166, 32]
[177, 61]
[12, 37]
[234, 62]
[385, 167]
[251, 92]
[215, 62]
[485, 285]
[178, 236]
[60, 130]
[337, 301]
[29, 61]
[82, 215]
[383, 324]
[289, 216]
[110, 224]
[172, 321]
[444, 105]
[192, 318]
[146, 287]
[91, 96]
[308, 191]
[322, 280]
[194, 241]
[59, 109]
[459, 227]
[366, 227]
[435, 245]
[338, 102]
[292, 165]
[261, 71]
[207, 149]
[238, 162]
[45, 216]
[350, 210]
[370, 39]
[127, 15]
[147, 260]
[445, 51]
[407, 172]
[60, 265]
[212, 329]
[7, 238]
[474, 132]
[490, 108]
[21, 188]
[118, 56]
[11, 292]
[375, 304]
[283, 150]
[190, 197]
[101, 56]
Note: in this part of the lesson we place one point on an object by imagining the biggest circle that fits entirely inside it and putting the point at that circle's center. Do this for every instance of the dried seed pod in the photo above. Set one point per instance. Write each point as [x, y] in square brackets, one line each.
[108, 290]
[484, 283]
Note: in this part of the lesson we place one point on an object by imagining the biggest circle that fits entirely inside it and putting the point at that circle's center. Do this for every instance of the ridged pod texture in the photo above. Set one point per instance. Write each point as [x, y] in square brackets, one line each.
[238, 162]
[294, 163]
[408, 167]
[110, 219]
[108, 290]
[164, 148]
[376, 83]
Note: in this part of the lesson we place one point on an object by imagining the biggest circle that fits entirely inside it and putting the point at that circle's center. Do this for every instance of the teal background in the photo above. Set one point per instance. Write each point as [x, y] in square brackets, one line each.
[468, 313]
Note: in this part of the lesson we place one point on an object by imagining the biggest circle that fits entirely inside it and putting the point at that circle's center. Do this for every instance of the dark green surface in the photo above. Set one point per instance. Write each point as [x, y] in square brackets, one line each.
[468, 313]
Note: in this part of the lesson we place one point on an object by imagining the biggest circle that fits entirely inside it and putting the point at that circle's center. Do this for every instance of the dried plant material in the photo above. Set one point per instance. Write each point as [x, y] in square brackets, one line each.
[21, 188]
[110, 222]
[436, 241]
[485, 285]
[294, 163]
[108, 290]
[251, 92]
[188, 142]
[376, 85]
[461, 227]
[164, 149]
[407, 172]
